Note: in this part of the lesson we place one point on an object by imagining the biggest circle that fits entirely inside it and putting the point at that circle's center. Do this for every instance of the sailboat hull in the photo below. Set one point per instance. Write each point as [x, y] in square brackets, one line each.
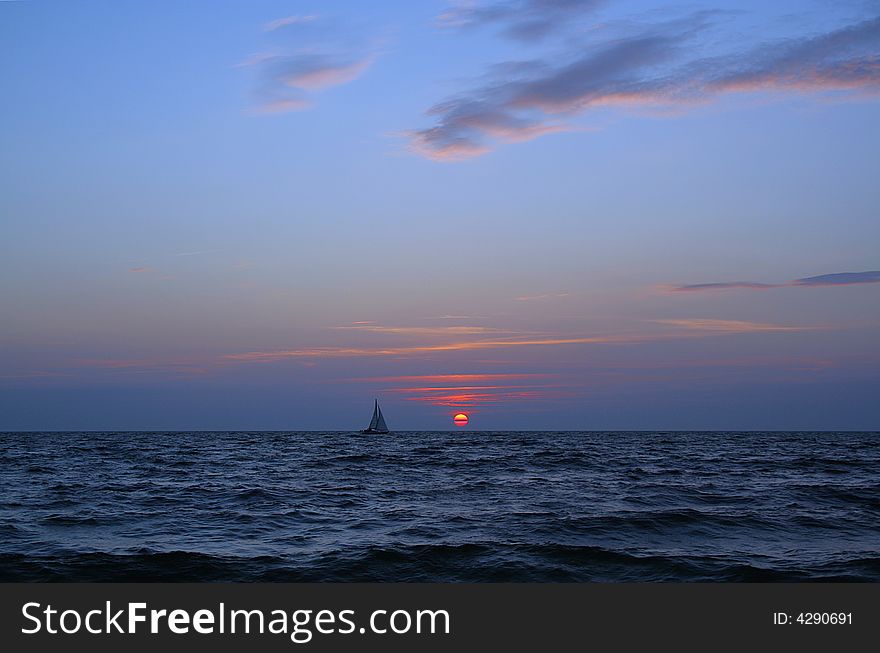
[373, 431]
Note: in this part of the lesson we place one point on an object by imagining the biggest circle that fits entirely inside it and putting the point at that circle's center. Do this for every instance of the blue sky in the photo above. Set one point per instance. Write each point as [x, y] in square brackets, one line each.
[564, 214]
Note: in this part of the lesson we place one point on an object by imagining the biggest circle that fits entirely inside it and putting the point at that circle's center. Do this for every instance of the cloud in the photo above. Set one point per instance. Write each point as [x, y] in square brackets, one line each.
[289, 77]
[284, 105]
[288, 80]
[468, 345]
[804, 364]
[470, 390]
[420, 331]
[685, 328]
[310, 72]
[459, 388]
[721, 286]
[278, 23]
[842, 59]
[198, 252]
[523, 20]
[471, 398]
[143, 268]
[453, 378]
[836, 279]
[656, 66]
[186, 368]
[116, 363]
[464, 126]
[529, 298]
[729, 326]
[839, 279]
[35, 374]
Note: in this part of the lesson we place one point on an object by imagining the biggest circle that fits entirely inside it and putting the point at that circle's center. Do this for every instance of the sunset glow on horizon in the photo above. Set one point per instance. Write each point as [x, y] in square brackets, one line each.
[609, 215]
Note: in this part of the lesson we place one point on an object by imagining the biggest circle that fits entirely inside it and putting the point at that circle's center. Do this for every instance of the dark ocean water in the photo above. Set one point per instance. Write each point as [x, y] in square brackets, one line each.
[461, 506]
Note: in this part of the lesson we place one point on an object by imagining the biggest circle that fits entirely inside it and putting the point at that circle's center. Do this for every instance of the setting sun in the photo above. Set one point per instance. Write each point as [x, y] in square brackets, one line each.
[460, 419]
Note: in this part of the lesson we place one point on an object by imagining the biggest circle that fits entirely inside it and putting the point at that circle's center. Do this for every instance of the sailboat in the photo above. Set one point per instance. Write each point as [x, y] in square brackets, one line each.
[377, 424]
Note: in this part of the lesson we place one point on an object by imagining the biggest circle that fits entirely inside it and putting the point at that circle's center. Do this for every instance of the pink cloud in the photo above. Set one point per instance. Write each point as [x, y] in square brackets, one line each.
[658, 66]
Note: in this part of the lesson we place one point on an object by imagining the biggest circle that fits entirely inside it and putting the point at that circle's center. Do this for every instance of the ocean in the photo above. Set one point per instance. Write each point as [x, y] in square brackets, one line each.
[440, 506]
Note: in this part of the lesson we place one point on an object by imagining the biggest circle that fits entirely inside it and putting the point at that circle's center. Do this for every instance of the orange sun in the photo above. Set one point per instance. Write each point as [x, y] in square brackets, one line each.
[460, 419]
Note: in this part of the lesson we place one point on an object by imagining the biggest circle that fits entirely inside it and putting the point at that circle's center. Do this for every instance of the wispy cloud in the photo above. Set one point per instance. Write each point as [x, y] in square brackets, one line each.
[309, 72]
[470, 390]
[288, 81]
[291, 75]
[524, 20]
[471, 398]
[284, 105]
[278, 23]
[450, 389]
[419, 331]
[822, 280]
[656, 66]
[843, 59]
[469, 345]
[721, 286]
[683, 328]
[198, 252]
[35, 374]
[453, 378]
[839, 279]
[142, 268]
[805, 364]
[186, 368]
[730, 326]
[529, 298]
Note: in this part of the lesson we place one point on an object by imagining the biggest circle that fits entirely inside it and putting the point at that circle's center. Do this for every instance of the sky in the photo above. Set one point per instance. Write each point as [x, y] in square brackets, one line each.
[547, 214]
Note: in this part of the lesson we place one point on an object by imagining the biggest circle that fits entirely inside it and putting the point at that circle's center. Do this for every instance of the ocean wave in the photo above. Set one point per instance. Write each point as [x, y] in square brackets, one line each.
[457, 507]
[472, 562]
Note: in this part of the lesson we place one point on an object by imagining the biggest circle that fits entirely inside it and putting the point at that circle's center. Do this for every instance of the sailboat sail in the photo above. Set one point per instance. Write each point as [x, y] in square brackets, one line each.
[380, 423]
[377, 424]
[375, 421]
